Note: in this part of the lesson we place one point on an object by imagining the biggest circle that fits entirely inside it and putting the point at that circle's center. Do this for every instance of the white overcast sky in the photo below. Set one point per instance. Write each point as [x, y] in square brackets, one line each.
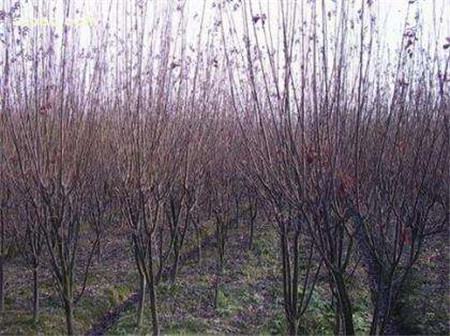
[90, 15]
[391, 13]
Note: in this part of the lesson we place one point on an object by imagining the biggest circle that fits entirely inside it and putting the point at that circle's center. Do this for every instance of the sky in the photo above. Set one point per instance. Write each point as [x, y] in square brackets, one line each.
[88, 18]
[390, 13]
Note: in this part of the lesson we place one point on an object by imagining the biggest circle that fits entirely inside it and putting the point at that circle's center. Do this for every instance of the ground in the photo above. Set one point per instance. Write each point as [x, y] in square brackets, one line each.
[249, 299]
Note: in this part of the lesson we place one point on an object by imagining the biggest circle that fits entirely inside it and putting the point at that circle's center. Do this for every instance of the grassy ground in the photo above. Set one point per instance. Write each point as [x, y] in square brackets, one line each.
[110, 281]
[249, 299]
[426, 307]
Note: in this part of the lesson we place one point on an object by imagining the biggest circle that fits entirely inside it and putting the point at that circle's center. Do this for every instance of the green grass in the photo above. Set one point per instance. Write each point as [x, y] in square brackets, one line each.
[51, 318]
[250, 300]
[418, 316]
[275, 326]
[187, 326]
[227, 303]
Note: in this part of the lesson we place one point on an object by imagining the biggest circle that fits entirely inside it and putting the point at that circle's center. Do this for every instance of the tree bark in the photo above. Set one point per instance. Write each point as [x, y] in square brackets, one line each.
[35, 294]
[198, 242]
[68, 309]
[178, 246]
[216, 292]
[382, 322]
[176, 256]
[253, 209]
[175, 266]
[252, 231]
[99, 252]
[2, 284]
[2, 262]
[292, 327]
[151, 281]
[344, 305]
[337, 319]
[141, 304]
[238, 215]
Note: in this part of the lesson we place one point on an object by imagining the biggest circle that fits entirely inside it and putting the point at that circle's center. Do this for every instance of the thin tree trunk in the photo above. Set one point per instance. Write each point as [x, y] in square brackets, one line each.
[218, 279]
[153, 303]
[99, 251]
[2, 283]
[35, 294]
[293, 327]
[252, 231]
[68, 308]
[253, 209]
[237, 213]
[178, 247]
[381, 322]
[175, 263]
[160, 254]
[344, 305]
[141, 304]
[216, 292]
[2, 263]
[159, 273]
[176, 253]
[289, 305]
[385, 323]
[198, 241]
[337, 319]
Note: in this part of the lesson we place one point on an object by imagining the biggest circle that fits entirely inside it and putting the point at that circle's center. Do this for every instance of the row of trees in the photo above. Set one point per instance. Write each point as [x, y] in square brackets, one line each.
[299, 118]
[350, 155]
